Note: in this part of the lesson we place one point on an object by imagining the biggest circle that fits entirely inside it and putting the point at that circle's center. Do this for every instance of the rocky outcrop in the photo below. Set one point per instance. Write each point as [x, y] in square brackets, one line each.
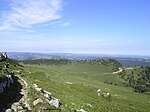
[22, 104]
[8, 80]
[54, 102]
[3, 56]
[18, 103]
[6, 83]
[8, 110]
[48, 96]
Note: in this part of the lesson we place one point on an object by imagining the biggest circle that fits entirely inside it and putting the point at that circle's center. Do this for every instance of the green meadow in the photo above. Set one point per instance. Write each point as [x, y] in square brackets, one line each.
[76, 86]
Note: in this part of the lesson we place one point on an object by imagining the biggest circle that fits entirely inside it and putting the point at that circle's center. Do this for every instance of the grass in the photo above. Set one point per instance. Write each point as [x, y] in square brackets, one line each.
[81, 91]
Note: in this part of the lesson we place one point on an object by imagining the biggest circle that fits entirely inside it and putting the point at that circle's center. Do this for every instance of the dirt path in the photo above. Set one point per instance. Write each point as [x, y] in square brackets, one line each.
[119, 71]
[22, 104]
[24, 100]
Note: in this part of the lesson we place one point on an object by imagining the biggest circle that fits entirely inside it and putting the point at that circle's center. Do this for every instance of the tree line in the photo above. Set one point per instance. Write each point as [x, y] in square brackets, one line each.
[107, 62]
[140, 82]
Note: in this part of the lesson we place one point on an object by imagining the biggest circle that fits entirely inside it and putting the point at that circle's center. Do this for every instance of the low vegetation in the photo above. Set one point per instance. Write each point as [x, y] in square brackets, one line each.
[101, 85]
[82, 85]
[138, 78]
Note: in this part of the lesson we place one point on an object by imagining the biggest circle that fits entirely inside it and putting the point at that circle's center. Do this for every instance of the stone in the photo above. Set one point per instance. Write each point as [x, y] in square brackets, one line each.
[27, 106]
[46, 95]
[8, 110]
[106, 94]
[3, 56]
[11, 79]
[68, 83]
[35, 86]
[81, 110]
[14, 106]
[98, 90]
[54, 102]
[89, 105]
[19, 108]
[47, 92]
[39, 100]
[38, 89]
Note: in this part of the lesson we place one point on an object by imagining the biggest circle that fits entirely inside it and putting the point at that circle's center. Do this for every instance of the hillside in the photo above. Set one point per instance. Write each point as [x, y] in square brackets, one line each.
[9, 84]
[100, 85]
[138, 78]
[86, 85]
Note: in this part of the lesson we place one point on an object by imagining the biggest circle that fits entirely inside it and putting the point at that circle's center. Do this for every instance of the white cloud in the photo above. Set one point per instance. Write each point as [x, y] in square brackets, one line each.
[26, 13]
[65, 24]
[61, 23]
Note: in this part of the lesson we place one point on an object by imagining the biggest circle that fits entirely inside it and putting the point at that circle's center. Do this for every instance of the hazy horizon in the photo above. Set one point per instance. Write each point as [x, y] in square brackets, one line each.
[90, 54]
[111, 27]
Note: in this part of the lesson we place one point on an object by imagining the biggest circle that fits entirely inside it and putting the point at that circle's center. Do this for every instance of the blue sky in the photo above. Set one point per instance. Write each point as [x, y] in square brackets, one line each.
[75, 26]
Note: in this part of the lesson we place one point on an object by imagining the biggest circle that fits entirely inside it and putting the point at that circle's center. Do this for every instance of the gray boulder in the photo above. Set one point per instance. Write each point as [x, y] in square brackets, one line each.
[81, 110]
[54, 102]
[8, 110]
[39, 100]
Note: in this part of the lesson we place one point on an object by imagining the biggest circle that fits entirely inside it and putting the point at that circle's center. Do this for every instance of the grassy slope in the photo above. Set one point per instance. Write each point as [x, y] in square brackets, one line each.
[85, 80]
[13, 66]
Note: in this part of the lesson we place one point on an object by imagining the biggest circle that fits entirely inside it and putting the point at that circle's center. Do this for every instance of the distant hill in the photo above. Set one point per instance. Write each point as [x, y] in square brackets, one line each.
[30, 56]
[125, 60]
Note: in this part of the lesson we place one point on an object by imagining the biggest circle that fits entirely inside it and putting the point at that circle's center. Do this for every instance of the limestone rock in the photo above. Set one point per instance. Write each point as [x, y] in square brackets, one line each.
[3, 56]
[54, 102]
[46, 95]
[89, 105]
[8, 110]
[39, 100]
[81, 110]
[34, 86]
[47, 92]
[14, 106]
[98, 90]
[37, 88]
[68, 83]
[19, 108]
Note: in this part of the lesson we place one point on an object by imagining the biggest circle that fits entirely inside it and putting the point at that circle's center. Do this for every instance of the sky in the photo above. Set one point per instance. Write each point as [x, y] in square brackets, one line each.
[75, 26]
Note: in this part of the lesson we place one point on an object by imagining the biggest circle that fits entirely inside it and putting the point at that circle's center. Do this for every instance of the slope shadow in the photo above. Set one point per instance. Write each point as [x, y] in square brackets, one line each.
[10, 95]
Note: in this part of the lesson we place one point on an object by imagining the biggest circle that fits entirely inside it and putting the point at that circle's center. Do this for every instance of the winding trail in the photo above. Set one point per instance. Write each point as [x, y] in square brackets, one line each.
[119, 71]
[22, 104]
[24, 100]
[116, 72]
